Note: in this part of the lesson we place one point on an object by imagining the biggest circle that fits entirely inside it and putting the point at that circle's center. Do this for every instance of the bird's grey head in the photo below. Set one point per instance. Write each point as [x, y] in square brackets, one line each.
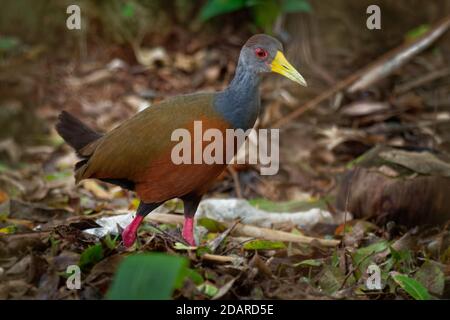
[262, 53]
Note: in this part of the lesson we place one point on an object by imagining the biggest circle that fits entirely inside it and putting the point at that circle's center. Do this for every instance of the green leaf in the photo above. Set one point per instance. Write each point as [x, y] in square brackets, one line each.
[290, 6]
[265, 13]
[8, 43]
[4, 167]
[414, 288]
[402, 260]
[208, 289]
[194, 276]
[264, 245]
[91, 256]
[57, 175]
[365, 252]
[417, 32]
[151, 276]
[9, 229]
[215, 8]
[211, 225]
[309, 263]
[110, 242]
[128, 10]
[289, 206]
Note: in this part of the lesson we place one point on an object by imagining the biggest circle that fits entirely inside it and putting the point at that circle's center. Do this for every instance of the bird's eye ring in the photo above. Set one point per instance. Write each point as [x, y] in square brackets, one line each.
[261, 53]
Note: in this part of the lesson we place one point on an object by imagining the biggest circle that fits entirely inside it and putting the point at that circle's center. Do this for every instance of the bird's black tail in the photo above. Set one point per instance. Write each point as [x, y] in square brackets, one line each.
[74, 132]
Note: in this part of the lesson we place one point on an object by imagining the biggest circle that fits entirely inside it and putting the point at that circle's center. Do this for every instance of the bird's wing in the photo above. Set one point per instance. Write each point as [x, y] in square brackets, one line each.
[127, 151]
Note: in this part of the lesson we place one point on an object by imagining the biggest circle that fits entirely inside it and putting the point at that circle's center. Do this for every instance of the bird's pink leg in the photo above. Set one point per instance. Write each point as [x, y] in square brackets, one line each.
[188, 230]
[130, 232]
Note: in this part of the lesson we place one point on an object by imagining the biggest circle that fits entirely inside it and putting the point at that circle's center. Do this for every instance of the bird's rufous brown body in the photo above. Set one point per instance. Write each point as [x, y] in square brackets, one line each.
[137, 154]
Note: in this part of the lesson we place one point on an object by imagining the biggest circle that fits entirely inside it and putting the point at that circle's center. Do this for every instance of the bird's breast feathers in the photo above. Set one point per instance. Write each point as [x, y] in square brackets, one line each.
[140, 149]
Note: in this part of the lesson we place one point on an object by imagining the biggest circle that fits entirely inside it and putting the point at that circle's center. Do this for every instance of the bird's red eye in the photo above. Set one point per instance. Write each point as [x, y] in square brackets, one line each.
[261, 53]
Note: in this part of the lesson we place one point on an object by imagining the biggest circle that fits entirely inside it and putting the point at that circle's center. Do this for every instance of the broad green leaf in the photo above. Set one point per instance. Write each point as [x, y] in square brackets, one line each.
[309, 263]
[264, 245]
[151, 276]
[217, 7]
[91, 256]
[290, 6]
[413, 287]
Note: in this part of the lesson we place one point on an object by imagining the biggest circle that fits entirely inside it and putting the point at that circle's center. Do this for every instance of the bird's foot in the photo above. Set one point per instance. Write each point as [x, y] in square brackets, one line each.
[130, 233]
[188, 230]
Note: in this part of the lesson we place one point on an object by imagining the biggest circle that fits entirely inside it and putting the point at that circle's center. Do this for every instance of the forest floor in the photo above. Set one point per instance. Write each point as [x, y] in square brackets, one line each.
[43, 213]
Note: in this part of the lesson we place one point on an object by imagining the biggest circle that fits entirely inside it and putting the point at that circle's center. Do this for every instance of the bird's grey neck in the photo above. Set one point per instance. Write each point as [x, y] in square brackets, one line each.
[240, 102]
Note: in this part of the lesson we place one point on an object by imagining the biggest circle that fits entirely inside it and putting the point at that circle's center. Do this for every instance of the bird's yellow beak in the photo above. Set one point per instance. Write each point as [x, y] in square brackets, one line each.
[282, 66]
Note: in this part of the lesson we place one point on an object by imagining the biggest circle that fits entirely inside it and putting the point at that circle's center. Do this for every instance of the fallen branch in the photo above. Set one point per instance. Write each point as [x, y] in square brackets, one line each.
[277, 235]
[251, 231]
[217, 258]
[396, 58]
[373, 72]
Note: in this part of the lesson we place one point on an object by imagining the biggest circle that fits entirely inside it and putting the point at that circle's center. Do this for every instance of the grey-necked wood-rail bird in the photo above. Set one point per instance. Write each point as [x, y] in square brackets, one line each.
[136, 155]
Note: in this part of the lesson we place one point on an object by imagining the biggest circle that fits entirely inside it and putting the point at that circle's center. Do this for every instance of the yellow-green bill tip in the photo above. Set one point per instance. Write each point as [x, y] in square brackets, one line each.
[282, 66]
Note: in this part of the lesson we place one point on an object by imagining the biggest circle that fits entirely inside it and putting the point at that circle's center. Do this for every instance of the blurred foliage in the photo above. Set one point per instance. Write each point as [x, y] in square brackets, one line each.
[122, 21]
[149, 276]
[417, 32]
[264, 245]
[116, 20]
[264, 12]
[290, 206]
[91, 256]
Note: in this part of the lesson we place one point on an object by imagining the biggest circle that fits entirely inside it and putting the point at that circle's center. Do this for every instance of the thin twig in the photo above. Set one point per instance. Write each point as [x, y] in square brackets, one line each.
[252, 231]
[217, 258]
[436, 74]
[238, 245]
